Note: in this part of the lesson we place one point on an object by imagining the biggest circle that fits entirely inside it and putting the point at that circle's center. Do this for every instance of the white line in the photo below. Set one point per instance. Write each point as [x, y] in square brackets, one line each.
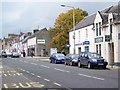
[46, 79]
[23, 70]
[32, 73]
[39, 76]
[85, 75]
[61, 70]
[57, 84]
[98, 78]
[44, 66]
[32, 63]
[35, 64]
[90, 76]
[25, 61]
[27, 71]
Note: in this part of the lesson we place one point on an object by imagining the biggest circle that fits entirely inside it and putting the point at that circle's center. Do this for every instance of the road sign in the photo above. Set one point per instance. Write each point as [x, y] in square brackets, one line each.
[40, 41]
[68, 45]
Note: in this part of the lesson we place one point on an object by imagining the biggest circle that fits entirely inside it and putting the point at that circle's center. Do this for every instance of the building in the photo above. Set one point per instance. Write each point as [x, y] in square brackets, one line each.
[1, 46]
[39, 42]
[99, 32]
[23, 42]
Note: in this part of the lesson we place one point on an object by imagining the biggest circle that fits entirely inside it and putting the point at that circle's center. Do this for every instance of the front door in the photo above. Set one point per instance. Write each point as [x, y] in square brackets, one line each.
[86, 48]
[79, 50]
[111, 53]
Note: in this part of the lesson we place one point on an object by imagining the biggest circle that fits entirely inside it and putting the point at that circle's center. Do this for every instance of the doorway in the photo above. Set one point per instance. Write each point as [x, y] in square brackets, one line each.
[79, 50]
[111, 53]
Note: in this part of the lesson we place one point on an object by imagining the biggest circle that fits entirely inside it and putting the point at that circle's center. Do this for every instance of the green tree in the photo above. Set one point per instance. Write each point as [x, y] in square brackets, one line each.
[63, 24]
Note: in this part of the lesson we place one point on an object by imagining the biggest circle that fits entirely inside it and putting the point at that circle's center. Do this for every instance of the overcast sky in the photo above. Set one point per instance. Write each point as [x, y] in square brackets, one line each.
[26, 16]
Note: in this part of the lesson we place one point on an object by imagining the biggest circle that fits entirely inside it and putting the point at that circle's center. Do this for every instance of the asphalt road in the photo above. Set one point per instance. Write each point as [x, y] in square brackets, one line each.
[34, 73]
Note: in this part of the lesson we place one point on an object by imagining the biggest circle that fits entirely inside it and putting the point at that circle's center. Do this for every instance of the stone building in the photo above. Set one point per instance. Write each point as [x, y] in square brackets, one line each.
[39, 42]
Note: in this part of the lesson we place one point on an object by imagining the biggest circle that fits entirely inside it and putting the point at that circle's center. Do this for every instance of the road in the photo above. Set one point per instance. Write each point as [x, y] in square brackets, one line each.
[34, 73]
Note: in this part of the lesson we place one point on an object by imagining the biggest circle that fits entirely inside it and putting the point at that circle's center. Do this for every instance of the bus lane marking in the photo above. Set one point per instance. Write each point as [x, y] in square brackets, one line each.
[23, 85]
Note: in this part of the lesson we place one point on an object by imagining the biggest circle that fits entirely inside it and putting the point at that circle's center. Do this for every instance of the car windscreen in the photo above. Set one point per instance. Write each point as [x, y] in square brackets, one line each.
[59, 55]
[94, 55]
[75, 56]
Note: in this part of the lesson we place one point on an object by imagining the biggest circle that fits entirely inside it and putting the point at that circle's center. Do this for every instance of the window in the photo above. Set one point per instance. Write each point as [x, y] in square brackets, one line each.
[79, 36]
[96, 48]
[110, 26]
[86, 48]
[86, 33]
[100, 49]
[96, 29]
[79, 50]
[99, 28]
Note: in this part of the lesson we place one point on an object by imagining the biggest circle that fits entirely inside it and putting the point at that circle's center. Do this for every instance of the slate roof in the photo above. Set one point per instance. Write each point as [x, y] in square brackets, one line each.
[86, 21]
[104, 16]
[89, 20]
[25, 40]
[37, 33]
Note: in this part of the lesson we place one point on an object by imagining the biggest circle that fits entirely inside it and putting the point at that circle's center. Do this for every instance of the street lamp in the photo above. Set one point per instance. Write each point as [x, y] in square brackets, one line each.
[73, 22]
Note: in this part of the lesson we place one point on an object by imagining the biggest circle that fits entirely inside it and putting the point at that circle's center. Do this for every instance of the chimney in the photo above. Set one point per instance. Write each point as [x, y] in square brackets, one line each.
[35, 30]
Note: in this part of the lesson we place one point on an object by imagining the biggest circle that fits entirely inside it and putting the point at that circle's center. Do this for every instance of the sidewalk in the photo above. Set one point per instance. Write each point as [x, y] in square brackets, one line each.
[113, 67]
[39, 58]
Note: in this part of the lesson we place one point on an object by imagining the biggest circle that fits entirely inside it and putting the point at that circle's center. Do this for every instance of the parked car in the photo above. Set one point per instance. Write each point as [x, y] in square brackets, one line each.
[15, 54]
[91, 60]
[57, 58]
[3, 54]
[71, 59]
[9, 54]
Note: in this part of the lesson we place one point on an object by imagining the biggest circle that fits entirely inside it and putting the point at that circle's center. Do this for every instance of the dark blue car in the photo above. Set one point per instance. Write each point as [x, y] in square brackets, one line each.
[91, 60]
[57, 58]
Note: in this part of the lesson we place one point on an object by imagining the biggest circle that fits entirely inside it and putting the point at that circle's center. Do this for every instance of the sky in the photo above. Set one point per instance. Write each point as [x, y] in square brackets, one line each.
[24, 16]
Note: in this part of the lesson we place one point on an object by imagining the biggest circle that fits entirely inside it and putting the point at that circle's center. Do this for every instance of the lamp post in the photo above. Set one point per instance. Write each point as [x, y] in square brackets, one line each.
[73, 22]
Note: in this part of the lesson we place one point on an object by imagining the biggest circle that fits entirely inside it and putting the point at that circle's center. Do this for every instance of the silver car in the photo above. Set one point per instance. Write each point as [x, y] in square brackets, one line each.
[15, 54]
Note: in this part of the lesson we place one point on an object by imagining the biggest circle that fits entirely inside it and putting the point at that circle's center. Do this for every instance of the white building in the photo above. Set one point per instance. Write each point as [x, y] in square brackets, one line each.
[99, 32]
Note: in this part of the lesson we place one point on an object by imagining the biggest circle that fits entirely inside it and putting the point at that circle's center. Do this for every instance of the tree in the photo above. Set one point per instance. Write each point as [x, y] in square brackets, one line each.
[60, 32]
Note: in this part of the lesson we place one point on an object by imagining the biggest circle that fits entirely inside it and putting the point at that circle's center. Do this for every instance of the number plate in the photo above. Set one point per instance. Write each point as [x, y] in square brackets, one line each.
[100, 64]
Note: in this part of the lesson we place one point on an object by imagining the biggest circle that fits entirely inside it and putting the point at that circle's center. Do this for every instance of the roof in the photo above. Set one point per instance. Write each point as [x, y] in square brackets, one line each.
[25, 40]
[104, 17]
[86, 21]
[89, 20]
[37, 33]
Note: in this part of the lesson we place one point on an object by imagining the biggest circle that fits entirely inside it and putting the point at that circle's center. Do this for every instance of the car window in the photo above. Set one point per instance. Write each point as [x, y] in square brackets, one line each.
[59, 55]
[82, 55]
[86, 55]
[95, 55]
[75, 56]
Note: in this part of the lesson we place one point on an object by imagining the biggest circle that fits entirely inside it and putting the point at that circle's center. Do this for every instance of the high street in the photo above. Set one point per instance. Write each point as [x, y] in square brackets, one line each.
[36, 73]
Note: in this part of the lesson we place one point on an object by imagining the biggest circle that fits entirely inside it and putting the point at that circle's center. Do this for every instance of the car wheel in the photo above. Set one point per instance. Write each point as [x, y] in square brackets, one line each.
[104, 67]
[65, 63]
[50, 61]
[71, 63]
[89, 65]
[79, 64]
[55, 62]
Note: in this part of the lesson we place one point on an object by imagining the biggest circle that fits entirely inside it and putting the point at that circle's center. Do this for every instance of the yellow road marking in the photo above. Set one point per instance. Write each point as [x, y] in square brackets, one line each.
[5, 74]
[23, 85]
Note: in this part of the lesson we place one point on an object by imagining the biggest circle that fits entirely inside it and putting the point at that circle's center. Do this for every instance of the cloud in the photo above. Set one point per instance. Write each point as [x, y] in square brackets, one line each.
[26, 16]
